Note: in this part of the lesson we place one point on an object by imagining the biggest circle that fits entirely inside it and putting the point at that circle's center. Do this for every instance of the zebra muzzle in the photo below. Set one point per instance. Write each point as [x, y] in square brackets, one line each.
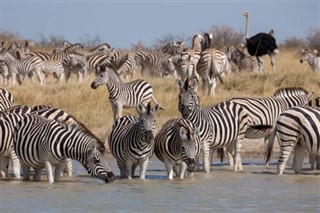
[93, 85]
[110, 177]
[191, 165]
[149, 136]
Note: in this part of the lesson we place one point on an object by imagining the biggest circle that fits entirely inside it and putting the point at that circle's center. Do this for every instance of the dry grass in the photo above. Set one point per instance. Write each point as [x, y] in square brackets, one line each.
[93, 108]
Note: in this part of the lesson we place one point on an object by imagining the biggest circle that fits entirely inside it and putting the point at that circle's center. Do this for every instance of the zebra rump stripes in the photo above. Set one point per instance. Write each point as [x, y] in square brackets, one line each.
[298, 129]
[40, 143]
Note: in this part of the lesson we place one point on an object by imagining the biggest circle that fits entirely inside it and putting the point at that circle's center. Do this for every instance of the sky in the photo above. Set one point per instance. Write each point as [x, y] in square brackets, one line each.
[122, 23]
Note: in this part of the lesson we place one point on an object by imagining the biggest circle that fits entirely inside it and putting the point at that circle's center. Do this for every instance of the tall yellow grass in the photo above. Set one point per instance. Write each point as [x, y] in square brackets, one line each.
[93, 108]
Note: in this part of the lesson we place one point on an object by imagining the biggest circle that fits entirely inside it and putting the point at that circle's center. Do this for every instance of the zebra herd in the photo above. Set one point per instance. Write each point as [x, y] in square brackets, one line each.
[45, 137]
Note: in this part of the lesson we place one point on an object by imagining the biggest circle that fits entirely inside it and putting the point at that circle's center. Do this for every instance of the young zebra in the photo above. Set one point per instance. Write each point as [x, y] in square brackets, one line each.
[9, 117]
[313, 61]
[58, 115]
[177, 144]
[123, 95]
[221, 125]
[213, 64]
[131, 141]
[6, 99]
[297, 129]
[43, 143]
[242, 61]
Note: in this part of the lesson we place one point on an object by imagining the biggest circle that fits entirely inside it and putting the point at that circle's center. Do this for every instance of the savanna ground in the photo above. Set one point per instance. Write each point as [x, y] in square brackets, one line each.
[93, 109]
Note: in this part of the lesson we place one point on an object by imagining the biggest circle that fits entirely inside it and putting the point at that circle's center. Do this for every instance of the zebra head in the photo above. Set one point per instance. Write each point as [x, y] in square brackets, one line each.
[305, 54]
[147, 121]
[188, 98]
[101, 78]
[96, 163]
[190, 143]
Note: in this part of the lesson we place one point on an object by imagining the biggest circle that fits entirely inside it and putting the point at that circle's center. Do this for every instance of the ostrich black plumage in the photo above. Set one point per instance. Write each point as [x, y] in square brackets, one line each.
[261, 44]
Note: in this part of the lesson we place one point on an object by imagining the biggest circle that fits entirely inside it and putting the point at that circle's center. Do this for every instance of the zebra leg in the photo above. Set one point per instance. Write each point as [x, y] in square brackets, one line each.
[25, 170]
[129, 169]
[59, 169]
[318, 162]
[4, 166]
[122, 168]
[37, 174]
[312, 160]
[49, 171]
[143, 168]
[68, 167]
[169, 168]
[206, 158]
[15, 164]
[284, 156]
[298, 158]
[183, 168]
[116, 109]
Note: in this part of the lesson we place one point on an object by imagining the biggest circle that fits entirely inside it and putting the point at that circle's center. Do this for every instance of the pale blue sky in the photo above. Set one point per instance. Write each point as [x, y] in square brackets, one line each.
[122, 23]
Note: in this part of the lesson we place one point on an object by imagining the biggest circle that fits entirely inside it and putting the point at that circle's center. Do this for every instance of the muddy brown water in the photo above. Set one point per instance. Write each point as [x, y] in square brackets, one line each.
[256, 189]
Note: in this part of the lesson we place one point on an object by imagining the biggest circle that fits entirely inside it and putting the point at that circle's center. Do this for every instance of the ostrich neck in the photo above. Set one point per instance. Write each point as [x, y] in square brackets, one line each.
[247, 27]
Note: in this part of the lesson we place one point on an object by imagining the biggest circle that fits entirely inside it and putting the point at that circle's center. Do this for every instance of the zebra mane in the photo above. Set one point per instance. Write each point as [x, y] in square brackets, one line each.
[288, 90]
[81, 127]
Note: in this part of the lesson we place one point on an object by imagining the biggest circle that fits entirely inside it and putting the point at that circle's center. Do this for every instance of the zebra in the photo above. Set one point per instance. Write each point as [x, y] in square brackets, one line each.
[121, 62]
[187, 64]
[58, 115]
[20, 68]
[313, 61]
[43, 143]
[297, 129]
[178, 144]
[131, 141]
[155, 63]
[4, 73]
[6, 99]
[264, 111]
[55, 68]
[221, 125]
[9, 117]
[60, 55]
[123, 95]
[313, 159]
[173, 47]
[242, 61]
[212, 64]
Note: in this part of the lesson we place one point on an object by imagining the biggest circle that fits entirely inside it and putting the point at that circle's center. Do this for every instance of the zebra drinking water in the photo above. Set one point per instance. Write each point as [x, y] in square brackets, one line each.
[177, 144]
[131, 141]
[123, 95]
[43, 143]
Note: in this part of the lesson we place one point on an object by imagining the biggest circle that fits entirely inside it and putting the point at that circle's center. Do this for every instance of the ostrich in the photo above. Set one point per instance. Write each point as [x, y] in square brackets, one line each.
[261, 44]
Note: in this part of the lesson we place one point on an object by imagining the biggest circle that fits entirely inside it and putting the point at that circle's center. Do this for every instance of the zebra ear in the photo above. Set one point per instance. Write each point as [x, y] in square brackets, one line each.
[194, 84]
[180, 84]
[141, 108]
[156, 108]
[183, 133]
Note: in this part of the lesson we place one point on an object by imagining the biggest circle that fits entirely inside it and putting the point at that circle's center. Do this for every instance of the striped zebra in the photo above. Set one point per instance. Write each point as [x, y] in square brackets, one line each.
[213, 64]
[313, 61]
[155, 63]
[187, 64]
[297, 129]
[242, 61]
[58, 115]
[313, 159]
[221, 125]
[6, 99]
[20, 68]
[9, 117]
[4, 73]
[54, 68]
[131, 141]
[173, 47]
[123, 95]
[121, 62]
[177, 144]
[43, 143]
[60, 55]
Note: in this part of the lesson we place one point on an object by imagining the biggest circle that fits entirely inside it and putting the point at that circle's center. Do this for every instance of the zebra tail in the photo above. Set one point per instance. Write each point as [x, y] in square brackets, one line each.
[155, 102]
[220, 154]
